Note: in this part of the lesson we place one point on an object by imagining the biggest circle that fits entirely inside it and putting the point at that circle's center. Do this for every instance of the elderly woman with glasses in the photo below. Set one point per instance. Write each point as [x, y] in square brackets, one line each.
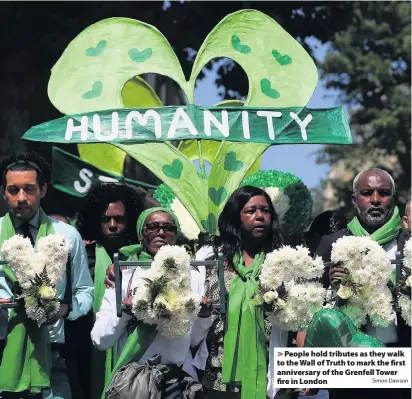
[134, 342]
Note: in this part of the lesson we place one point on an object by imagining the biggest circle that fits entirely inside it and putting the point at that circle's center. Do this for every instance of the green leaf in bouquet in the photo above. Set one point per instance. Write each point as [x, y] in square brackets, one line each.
[50, 307]
[42, 278]
[169, 263]
[141, 306]
[162, 312]
[40, 316]
[191, 305]
[156, 285]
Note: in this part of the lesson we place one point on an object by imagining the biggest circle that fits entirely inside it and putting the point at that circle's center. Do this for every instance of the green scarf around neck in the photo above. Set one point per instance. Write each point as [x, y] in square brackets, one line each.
[141, 337]
[387, 233]
[26, 363]
[127, 253]
[244, 356]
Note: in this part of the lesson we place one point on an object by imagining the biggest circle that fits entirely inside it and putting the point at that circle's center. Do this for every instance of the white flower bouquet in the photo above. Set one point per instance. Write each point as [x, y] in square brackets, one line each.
[285, 286]
[405, 284]
[38, 272]
[164, 297]
[363, 291]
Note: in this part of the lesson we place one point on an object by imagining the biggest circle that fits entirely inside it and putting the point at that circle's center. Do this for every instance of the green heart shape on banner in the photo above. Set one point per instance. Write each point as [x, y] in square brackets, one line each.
[173, 171]
[217, 196]
[140, 56]
[210, 223]
[231, 163]
[281, 59]
[96, 91]
[267, 90]
[238, 46]
[96, 51]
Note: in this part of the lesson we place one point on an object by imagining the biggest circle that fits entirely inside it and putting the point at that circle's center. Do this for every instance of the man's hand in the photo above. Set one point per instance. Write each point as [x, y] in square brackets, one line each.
[109, 280]
[128, 302]
[336, 274]
[206, 308]
[7, 300]
[63, 312]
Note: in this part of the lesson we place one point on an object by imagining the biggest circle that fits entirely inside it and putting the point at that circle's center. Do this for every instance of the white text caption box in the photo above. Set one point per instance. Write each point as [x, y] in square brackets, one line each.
[343, 367]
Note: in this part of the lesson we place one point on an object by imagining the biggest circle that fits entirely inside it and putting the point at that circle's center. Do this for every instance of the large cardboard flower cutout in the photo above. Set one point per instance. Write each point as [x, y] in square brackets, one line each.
[87, 84]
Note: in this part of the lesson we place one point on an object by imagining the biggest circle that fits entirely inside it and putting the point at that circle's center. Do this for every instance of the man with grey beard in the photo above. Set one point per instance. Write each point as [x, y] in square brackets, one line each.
[376, 217]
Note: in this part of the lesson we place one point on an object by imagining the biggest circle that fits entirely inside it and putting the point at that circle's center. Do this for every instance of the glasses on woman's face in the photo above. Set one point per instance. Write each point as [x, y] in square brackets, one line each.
[154, 228]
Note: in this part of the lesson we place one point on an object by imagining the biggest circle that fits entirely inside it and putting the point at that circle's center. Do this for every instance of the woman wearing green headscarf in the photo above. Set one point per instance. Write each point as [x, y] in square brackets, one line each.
[156, 227]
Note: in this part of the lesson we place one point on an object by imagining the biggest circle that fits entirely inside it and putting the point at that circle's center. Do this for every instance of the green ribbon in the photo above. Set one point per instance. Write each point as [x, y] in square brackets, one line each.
[244, 359]
[141, 338]
[26, 363]
[387, 233]
[102, 263]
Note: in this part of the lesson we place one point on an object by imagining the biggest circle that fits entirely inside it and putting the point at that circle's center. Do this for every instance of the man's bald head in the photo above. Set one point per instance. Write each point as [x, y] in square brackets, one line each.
[373, 197]
[381, 171]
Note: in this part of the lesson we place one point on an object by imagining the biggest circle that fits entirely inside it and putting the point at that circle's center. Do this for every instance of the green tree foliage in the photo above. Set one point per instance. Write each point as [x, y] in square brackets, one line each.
[369, 62]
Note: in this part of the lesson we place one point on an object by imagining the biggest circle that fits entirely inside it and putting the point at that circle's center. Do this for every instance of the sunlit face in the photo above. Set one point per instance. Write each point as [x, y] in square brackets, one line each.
[159, 230]
[113, 223]
[23, 193]
[374, 200]
[255, 218]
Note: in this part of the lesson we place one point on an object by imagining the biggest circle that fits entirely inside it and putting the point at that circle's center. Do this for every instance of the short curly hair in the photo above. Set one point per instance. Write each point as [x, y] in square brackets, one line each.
[97, 200]
[22, 161]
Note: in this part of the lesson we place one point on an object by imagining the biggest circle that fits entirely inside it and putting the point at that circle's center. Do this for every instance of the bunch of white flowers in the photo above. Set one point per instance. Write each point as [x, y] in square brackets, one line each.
[365, 260]
[164, 297]
[20, 256]
[291, 300]
[406, 284]
[38, 272]
[302, 301]
[363, 291]
[406, 309]
[52, 254]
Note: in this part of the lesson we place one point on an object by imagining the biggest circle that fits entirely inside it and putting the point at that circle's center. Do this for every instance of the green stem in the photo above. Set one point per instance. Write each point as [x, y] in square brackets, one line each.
[201, 160]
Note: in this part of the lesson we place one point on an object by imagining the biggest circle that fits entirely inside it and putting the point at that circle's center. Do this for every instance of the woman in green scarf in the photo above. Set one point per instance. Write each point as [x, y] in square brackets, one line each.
[156, 227]
[248, 228]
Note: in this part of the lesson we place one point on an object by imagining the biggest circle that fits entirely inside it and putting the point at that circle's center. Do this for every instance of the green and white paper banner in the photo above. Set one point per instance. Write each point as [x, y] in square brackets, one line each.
[89, 82]
[241, 124]
[73, 176]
